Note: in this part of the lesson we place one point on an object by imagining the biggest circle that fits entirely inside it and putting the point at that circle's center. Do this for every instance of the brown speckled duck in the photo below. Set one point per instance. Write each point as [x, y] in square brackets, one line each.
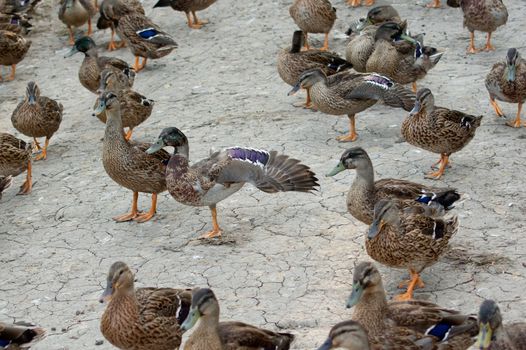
[74, 13]
[438, 129]
[219, 176]
[37, 116]
[314, 16]
[482, 15]
[211, 334]
[189, 7]
[507, 82]
[142, 318]
[19, 335]
[13, 49]
[110, 13]
[15, 158]
[365, 192]
[412, 324]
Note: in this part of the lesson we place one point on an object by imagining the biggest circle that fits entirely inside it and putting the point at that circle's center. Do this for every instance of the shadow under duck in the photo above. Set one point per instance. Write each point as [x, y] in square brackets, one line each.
[313, 16]
[13, 49]
[189, 7]
[15, 158]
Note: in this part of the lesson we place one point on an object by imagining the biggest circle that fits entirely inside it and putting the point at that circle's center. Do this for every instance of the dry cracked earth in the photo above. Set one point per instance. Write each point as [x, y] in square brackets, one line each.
[286, 260]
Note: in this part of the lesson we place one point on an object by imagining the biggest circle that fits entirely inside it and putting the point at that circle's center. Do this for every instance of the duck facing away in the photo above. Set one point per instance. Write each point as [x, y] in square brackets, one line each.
[351, 93]
[314, 16]
[15, 158]
[365, 192]
[189, 7]
[507, 82]
[13, 49]
[412, 324]
[493, 335]
[210, 334]
[142, 318]
[13, 336]
[74, 13]
[438, 129]
[217, 177]
[127, 163]
[37, 116]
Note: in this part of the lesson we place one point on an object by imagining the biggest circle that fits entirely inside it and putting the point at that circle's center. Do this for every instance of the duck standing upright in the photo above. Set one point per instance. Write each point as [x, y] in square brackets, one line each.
[75, 13]
[314, 16]
[189, 7]
[13, 49]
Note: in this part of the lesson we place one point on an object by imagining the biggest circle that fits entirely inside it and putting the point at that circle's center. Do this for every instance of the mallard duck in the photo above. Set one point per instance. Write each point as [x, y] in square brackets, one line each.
[351, 93]
[74, 13]
[482, 15]
[144, 38]
[142, 318]
[407, 234]
[37, 116]
[15, 158]
[135, 108]
[93, 64]
[13, 336]
[314, 16]
[13, 49]
[292, 62]
[188, 6]
[18, 23]
[356, 3]
[437, 129]
[348, 335]
[127, 163]
[217, 177]
[211, 334]
[110, 13]
[507, 82]
[412, 324]
[365, 192]
[493, 335]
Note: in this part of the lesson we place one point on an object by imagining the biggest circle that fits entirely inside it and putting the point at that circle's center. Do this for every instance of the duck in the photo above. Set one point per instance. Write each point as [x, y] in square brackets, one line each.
[135, 108]
[507, 82]
[393, 323]
[348, 335]
[314, 16]
[13, 49]
[365, 192]
[93, 64]
[356, 3]
[493, 335]
[224, 172]
[375, 16]
[142, 318]
[15, 158]
[351, 93]
[210, 334]
[37, 116]
[481, 15]
[189, 7]
[127, 163]
[75, 13]
[292, 62]
[13, 336]
[110, 13]
[144, 38]
[438, 129]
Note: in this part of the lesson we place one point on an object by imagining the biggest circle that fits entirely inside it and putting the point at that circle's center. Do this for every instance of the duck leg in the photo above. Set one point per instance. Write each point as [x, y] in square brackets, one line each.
[444, 161]
[496, 107]
[28, 184]
[128, 134]
[488, 46]
[138, 67]
[71, 38]
[325, 46]
[191, 22]
[415, 280]
[147, 216]
[369, 2]
[43, 155]
[133, 213]
[354, 3]
[414, 87]
[112, 45]
[306, 44]
[471, 48]
[90, 29]
[517, 123]
[197, 21]
[352, 135]
[216, 230]
[435, 4]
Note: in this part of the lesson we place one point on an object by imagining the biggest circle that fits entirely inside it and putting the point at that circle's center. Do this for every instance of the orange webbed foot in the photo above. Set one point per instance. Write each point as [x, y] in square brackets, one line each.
[351, 137]
[212, 234]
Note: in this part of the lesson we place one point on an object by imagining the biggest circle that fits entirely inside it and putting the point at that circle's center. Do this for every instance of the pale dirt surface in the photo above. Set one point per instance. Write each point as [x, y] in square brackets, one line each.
[287, 259]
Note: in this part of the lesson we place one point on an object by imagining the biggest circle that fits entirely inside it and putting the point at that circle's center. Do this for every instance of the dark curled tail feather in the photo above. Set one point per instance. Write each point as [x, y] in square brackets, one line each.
[284, 342]
[446, 198]
[470, 121]
[339, 65]
[5, 183]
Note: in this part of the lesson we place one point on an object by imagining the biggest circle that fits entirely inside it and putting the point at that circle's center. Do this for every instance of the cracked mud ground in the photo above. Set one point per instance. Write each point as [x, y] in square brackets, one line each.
[287, 259]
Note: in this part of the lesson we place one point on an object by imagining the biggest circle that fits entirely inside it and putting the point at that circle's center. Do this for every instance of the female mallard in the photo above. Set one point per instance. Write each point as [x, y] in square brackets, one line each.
[348, 335]
[292, 62]
[142, 318]
[13, 49]
[314, 16]
[365, 192]
[211, 180]
[135, 108]
[37, 116]
[507, 82]
[15, 336]
[144, 38]
[188, 6]
[93, 64]
[74, 13]
[411, 324]
[15, 158]
[410, 235]
[110, 13]
[127, 163]
[211, 334]
[482, 15]
[437, 129]
[493, 335]
[351, 93]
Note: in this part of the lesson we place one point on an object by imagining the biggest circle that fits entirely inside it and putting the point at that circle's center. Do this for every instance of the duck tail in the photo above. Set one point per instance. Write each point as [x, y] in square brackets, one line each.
[445, 198]
[470, 121]
[163, 3]
[5, 183]
[284, 340]
[339, 65]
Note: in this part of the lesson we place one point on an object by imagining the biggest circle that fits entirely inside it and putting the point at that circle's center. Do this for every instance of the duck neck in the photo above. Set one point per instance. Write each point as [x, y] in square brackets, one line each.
[372, 309]
[207, 333]
[113, 133]
[364, 180]
[178, 162]
[91, 53]
[123, 306]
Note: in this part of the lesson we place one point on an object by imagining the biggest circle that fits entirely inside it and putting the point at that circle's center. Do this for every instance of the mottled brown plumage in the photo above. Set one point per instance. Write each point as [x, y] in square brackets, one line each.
[211, 334]
[189, 7]
[110, 13]
[314, 16]
[13, 49]
[493, 335]
[75, 13]
[142, 318]
[19, 335]
[15, 158]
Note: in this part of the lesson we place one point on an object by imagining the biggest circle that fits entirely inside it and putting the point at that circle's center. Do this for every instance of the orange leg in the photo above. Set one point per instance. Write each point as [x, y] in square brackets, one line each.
[352, 135]
[71, 38]
[406, 283]
[216, 231]
[325, 46]
[112, 45]
[28, 184]
[354, 3]
[43, 154]
[471, 48]
[444, 161]
[191, 23]
[517, 122]
[488, 46]
[408, 295]
[413, 87]
[496, 107]
[147, 216]
[197, 21]
[306, 44]
[369, 2]
[133, 213]
[128, 134]
[90, 30]
[13, 71]
[138, 67]
[435, 4]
